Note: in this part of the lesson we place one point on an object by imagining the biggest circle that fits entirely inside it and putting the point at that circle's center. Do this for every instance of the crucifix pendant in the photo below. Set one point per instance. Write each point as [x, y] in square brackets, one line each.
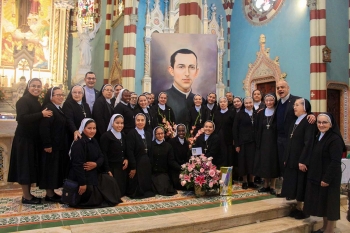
[291, 135]
[205, 150]
[252, 122]
[200, 120]
[149, 122]
[146, 150]
[267, 126]
[84, 115]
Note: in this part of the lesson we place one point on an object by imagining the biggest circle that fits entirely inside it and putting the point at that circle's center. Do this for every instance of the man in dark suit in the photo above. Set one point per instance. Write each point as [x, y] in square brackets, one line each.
[90, 92]
[184, 68]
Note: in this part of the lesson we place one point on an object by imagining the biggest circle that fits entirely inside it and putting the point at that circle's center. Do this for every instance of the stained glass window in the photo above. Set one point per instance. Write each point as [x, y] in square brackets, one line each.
[263, 5]
[86, 13]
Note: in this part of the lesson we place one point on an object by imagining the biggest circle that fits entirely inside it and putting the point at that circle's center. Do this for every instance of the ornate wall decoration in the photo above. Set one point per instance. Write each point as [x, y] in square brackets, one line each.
[344, 107]
[115, 76]
[259, 12]
[264, 69]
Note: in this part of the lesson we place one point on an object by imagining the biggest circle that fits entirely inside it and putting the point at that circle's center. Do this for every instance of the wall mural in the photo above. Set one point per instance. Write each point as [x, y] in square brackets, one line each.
[26, 24]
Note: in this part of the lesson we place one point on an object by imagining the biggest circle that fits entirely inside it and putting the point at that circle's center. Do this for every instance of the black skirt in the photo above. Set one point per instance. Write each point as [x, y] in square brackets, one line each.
[162, 185]
[105, 194]
[246, 159]
[294, 182]
[24, 164]
[119, 175]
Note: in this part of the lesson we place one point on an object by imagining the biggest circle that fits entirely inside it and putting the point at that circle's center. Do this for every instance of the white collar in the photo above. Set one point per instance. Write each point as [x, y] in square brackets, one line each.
[250, 112]
[161, 106]
[223, 110]
[285, 98]
[210, 106]
[300, 118]
[108, 100]
[141, 132]
[256, 105]
[321, 136]
[197, 108]
[116, 134]
[269, 111]
[123, 102]
[158, 142]
[185, 93]
[206, 136]
[79, 102]
[145, 110]
[57, 106]
[181, 140]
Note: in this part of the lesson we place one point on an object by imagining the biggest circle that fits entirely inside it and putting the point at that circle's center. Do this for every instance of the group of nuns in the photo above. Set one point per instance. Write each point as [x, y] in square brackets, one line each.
[120, 148]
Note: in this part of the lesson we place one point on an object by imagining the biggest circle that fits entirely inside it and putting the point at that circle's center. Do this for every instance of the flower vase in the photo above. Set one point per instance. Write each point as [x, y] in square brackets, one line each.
[198, 191]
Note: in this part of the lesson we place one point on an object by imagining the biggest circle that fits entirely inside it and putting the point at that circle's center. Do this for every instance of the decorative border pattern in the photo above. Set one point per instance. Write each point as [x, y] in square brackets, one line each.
[258, 19]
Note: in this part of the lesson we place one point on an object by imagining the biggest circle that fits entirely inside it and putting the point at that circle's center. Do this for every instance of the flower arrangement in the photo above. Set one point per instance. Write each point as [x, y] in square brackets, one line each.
[200, 171]
[168, 126]
[43, 93]
[192, 139]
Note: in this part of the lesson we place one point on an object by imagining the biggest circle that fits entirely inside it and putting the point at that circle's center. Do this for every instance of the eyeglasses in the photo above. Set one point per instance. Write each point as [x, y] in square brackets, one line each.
[322, 122]
[159, 133]
[91, 79]
[59, 95]
[109, 90]
[35, 86]
[77, 93]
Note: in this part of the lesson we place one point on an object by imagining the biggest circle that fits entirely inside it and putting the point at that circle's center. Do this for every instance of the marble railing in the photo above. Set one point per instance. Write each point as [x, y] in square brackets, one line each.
[7, 131]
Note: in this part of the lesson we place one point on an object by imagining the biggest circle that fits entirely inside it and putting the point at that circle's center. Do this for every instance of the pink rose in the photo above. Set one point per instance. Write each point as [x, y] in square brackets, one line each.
[201, 170]
[181, 176]
[210, 184]
[183, 183]
[212, 173]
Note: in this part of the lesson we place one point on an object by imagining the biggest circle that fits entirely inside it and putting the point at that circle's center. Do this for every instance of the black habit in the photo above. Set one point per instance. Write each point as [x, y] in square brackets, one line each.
[114, 151]
[127, 112]
[53, 133]
[210, 147]
[266, 160]
[102, 190]
[138, 151]
[151, 118]
[244, 138]
[102, 113]
[196, 119]
[223, 127]
[325, 165]
[299, 149]
[24, 164]
[162, 160]
[168, 114]
[181, 156]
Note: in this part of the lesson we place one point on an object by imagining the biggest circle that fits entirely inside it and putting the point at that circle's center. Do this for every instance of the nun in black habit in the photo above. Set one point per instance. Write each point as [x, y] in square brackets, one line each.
[76, 109]
[139, 149]
[244, 137]
[209, 142]
[197, 115]
[96, 187]
[210, 104]
[103, 110]
[151, 117]
[163, 111]
[113, 146]
[297, 156]
[26, 146]
[181, 150]
[223, 119]
[322, 196]
[54, 159]
[162, 159]
[123, 107]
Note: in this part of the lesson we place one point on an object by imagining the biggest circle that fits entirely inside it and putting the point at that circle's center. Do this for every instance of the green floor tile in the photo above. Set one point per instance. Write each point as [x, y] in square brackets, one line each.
[164, 212]
[51, 224]
[112, 218]
[195, 207]
[147, 214]
[72, 222]
[179, 210]
[92, 219]
[27, 227]
[206, 206]
[8, 229]
[126, 216]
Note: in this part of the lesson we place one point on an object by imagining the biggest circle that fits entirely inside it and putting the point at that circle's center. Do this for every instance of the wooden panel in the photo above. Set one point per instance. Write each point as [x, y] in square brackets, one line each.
[333, 103]
[268, 87]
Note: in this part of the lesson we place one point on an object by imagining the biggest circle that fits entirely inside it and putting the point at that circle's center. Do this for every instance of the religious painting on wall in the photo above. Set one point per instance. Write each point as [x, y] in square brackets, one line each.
[25, 24]
[183, 65]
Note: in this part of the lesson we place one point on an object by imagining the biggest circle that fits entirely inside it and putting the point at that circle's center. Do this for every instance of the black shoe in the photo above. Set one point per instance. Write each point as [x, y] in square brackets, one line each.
[252, 185]
[279, 195]
[264, 190]
[244, 185]
[54, 198]
[273, 191]
[294, 212]
[301, 215]
[318, 231]
[33, 201]
[257, 180]
[288, 198]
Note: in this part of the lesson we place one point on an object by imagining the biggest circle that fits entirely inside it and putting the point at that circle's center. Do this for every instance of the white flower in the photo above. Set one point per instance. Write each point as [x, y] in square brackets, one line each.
[183, 182]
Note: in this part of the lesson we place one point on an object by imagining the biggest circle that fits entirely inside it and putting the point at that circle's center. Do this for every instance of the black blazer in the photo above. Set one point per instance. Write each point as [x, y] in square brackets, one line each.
[113, 150]
[135, 147]
[101, 113]
[162, 158]
[53, 130]
[192, 117]
[153, 118]
[223, 125]
[168, 113]
[85, 150]
[181, 151]
[289, 116]
[75, 114]
[243, 129]
[127, 112]
[210, 148]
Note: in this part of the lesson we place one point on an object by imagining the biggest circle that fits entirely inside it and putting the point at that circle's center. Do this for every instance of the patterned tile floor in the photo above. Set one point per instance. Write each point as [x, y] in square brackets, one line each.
[17, 217]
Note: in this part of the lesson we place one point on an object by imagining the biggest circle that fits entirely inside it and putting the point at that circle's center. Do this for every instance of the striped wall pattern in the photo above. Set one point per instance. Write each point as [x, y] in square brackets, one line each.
[318, 69]
[349, 40]
[190, 16]
[129, 46]
[109, 11]
[228, 6]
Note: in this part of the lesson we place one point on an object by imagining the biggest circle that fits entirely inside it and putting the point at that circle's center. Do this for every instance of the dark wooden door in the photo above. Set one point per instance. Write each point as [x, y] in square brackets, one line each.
[333, 103]
[268, 87]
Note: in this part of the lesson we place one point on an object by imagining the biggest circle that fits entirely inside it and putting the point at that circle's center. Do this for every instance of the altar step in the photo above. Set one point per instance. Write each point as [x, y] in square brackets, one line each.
[264, 216]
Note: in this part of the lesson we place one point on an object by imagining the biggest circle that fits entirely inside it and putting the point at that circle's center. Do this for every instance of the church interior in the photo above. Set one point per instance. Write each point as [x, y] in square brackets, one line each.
[257, 43]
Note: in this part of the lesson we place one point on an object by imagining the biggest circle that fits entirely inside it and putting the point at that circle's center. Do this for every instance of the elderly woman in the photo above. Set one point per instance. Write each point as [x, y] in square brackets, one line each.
[162, 159]
[76, 109]
[26, 143]
[139, 145]
[322, 195]
[96, 187]
[103, 109]
[297, 156]
[54, 159]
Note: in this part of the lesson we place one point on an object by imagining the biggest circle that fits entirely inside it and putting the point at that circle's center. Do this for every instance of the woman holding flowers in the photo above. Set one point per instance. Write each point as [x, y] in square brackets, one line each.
[243, 134]
[162, 159]
[181, 150]
[165, 115]
[223, 119]
[197, 115]
[209, 142]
